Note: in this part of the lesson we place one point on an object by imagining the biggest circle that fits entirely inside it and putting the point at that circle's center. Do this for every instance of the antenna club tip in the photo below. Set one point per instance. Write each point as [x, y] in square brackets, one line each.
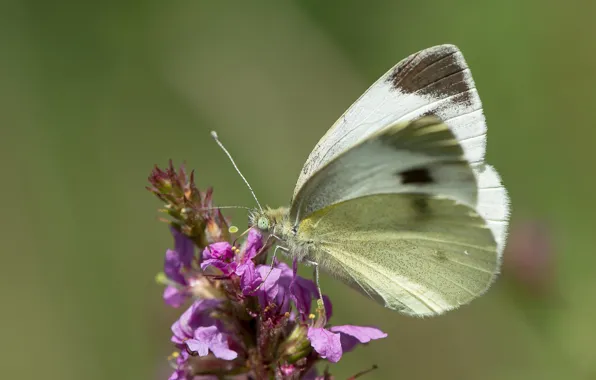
[214, 134]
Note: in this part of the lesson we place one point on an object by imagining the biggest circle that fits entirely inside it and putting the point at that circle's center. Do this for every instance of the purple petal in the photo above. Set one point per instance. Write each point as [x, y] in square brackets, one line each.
[178, 375]
[304, 292]
[173, 266]
[328, 306]
[195, 316]
[220, 348]
[198, 346]
[182, 358]
[181, 328]
[225, 268]
[184, 246]
[272, 290]
[299, 290]
[179, 335]
[174, 296]
[277, 286]
[271, 276]
[352, 335]
[254, 242]
[249, 277]
[210, 338]
[180, 372]
[326, 343]
[200, 311]
[221, 250]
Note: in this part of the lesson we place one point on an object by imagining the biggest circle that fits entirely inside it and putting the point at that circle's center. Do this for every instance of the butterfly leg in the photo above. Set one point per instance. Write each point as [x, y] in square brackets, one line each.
[273, 257]
[320, 303]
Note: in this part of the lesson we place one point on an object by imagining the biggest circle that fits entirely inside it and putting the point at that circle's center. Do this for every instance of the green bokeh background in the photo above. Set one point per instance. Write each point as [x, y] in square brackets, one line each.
[92, 94]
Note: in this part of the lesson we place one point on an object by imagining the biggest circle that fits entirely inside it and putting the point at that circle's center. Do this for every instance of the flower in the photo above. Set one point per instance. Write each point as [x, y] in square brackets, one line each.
[333, 342]
[219, 251]
[183, 368]
[249, 277]
[184, 247]
[174, 297]
[219, 256]
[197, 315]
[179, 361]
[210, 338]
[173, 267]
[245, 317]
[252, 246]
[177, 265]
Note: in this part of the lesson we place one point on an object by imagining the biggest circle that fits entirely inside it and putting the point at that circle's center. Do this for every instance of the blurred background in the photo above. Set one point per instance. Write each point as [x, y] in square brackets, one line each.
[93, 94]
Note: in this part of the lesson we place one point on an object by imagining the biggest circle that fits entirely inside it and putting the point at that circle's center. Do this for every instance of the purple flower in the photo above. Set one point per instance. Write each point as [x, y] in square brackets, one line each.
[246, 318]
[219, 251]
[225, 268]
[331, 343]
[177, 264]
[289, 286]
[180, 374]
[274, 290]
[197, 315]
[180, 361]
[173, 267]
[249, 277]
[252, 245]
[200, 332]
[219, 255]
[211, 339]
[174, 296]
[184, 246]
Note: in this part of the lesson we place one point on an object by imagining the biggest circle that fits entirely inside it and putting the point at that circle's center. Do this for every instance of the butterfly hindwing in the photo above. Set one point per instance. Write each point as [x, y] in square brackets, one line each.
[493, 203]
[416, 254]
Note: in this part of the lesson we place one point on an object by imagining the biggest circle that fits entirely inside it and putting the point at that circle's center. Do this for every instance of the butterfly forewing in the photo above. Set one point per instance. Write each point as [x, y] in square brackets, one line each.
[434, 81]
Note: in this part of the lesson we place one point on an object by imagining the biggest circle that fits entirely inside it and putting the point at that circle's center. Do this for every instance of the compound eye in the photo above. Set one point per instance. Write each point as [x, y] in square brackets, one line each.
[263, 223]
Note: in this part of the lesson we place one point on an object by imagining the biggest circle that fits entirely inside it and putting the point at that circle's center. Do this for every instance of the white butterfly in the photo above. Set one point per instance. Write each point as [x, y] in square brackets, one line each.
[395, 199]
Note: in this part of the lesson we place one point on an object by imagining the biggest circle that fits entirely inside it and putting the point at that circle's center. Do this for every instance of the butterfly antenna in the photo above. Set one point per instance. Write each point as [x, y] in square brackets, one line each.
[220, 207]
[214, 135]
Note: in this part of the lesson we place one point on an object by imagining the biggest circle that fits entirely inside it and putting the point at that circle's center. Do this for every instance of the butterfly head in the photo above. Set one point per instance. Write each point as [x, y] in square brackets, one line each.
[263, 223]
[267, 220]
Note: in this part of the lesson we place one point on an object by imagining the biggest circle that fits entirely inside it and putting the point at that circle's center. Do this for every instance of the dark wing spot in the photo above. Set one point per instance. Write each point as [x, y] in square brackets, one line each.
[437, 73]
[420, 206]
[419, 176]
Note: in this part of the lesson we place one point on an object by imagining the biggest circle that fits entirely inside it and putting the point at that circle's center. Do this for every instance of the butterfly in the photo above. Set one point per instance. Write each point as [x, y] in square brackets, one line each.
[395, 200]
